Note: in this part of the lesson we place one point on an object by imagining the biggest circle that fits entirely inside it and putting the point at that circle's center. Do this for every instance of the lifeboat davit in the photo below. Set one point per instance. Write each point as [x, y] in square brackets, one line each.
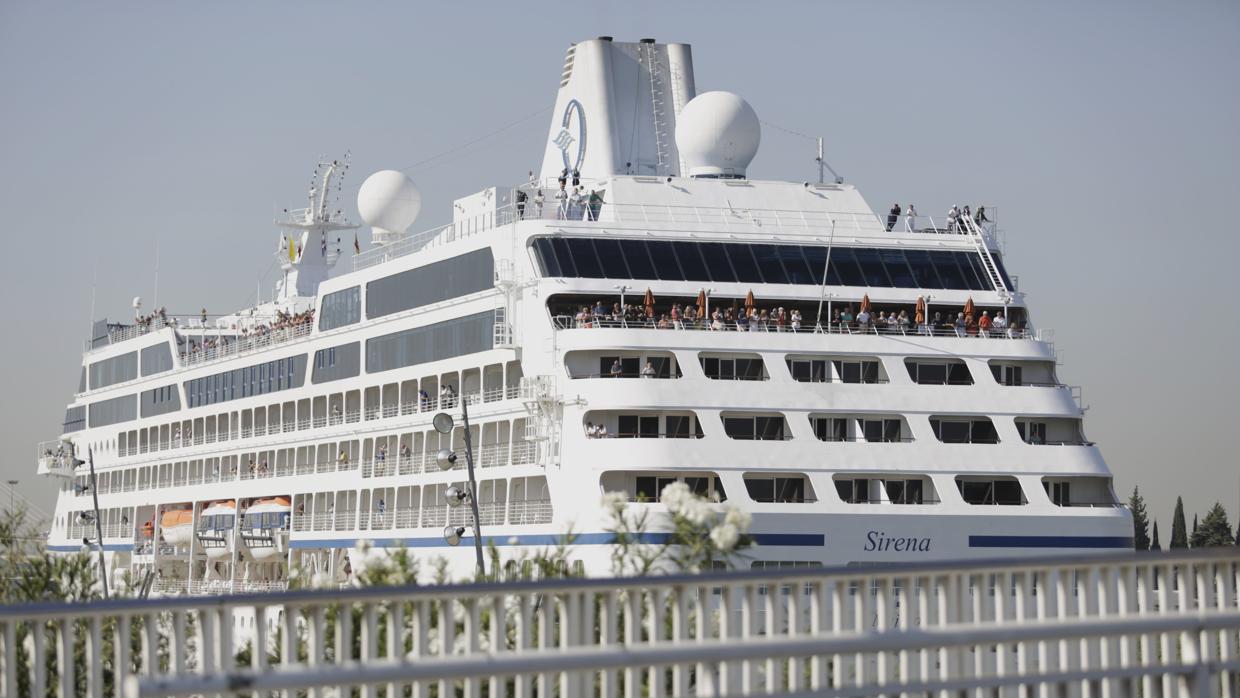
[177, 526]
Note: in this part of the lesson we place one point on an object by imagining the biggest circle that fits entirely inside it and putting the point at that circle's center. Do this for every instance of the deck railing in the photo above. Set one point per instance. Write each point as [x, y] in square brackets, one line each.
[572, 322]
[1151, 624]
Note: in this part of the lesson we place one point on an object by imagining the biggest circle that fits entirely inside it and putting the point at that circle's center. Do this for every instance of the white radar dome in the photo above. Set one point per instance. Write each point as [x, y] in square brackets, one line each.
[389, 202]
[717, 134]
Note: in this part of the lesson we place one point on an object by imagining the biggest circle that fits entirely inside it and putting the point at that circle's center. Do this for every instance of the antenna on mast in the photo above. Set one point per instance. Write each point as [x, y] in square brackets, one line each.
[822, 163]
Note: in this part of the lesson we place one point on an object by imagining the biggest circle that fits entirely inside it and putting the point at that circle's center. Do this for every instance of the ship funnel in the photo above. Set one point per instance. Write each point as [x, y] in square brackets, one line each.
[389, 202]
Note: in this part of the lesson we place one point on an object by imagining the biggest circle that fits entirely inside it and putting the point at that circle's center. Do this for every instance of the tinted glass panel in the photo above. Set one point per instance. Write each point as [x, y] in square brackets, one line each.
[567, 268]
[897, 269]
[450, 278]
[922, 268]
[716, 257]
[844, 267]
[610, 257]
[949, 273]
[546, 257]
[691, 261]
[772, 269]
[871, 267]
[743, 263]
[442, 340]
[964, 260]
[638, 258]
[816, 258]
[584, 257]
[795, 266]
[341, 308]
[664, 260]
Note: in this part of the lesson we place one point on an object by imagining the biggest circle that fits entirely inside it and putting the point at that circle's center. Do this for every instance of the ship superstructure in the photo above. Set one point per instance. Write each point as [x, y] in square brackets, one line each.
[638, 313]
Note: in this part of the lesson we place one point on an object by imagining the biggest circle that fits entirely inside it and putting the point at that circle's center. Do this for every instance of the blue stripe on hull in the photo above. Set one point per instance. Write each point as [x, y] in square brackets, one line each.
[766, 539]
[110, 547]
[1108, 542]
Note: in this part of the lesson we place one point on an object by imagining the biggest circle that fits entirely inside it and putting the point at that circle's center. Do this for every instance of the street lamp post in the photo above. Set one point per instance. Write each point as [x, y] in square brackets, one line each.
[446, 459]
[12, 495]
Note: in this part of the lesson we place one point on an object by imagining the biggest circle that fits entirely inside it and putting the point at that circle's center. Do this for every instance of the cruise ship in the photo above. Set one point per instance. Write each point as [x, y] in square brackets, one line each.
[870, 387]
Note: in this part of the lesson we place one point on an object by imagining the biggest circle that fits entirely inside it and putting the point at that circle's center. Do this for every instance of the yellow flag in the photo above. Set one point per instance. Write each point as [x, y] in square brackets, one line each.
[292, 251]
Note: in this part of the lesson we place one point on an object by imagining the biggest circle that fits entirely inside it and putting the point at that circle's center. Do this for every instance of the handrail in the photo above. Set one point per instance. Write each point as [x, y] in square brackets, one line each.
[570, 322]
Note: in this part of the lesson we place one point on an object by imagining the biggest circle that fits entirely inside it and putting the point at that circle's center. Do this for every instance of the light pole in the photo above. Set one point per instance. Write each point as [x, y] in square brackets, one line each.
[446, 458]
[12, 495]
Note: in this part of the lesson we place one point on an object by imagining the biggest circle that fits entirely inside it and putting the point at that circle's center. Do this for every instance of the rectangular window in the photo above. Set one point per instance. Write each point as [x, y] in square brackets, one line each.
[856, 371]
[830, 428]
[341, 308]
[443, 340]
[904, 491]
[1005, 492]
[808, 370]
[1059, 492]
[939, 373]
[853, 490]
[778, 489]
[118, 369]
[458, 276]
[732, 369]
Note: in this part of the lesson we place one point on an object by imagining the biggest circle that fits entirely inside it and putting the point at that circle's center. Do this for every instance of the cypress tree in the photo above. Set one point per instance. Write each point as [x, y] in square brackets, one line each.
[1140, 521]
[1179, 532]
[1154, 544]
[1215, 530]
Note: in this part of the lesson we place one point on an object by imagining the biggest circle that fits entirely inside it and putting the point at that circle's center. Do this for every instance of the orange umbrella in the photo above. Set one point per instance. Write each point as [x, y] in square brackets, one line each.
[968, 310]
[701, 302]
[865, 303]
[649, 303]
[920, 312]
[749, 301]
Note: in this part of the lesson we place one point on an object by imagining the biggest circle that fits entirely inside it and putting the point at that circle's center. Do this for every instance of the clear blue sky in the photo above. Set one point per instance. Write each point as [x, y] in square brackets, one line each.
[1106, 132]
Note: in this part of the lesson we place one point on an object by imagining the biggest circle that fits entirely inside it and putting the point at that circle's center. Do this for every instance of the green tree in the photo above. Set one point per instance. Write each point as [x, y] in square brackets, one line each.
[1190, 536]
[1154, 544]
[1140, 521]
[1215, 530]
[1179, 532]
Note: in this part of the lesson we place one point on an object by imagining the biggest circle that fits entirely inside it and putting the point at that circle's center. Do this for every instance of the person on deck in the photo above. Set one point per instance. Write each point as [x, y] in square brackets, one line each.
[893, 216]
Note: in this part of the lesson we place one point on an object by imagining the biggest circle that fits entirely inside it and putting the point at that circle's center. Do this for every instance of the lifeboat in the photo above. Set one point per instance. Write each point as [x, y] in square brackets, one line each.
[215, 528]
[263, 520]
[177, 526]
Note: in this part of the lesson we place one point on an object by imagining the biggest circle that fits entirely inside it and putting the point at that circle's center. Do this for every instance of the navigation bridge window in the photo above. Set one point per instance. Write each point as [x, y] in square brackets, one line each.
[1003, 491]
[728, 262]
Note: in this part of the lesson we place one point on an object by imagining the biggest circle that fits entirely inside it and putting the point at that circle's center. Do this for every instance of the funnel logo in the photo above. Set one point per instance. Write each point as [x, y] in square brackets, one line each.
[572, 130]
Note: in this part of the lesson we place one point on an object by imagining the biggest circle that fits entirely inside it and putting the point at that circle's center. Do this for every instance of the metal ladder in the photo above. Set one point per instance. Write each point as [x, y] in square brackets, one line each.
[979, 241]
[658, 93]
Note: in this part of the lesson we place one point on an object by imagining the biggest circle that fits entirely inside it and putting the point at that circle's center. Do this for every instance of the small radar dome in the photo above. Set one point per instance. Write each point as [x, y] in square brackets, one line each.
[717, 134]
[389, 202]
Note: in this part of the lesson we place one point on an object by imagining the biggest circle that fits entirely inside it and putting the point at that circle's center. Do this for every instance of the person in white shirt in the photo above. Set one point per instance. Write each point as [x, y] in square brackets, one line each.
[910, 218]
[561, 203]
[953, 219]
[796, 320]
[538, 204]
[648, 370]
[602, 431]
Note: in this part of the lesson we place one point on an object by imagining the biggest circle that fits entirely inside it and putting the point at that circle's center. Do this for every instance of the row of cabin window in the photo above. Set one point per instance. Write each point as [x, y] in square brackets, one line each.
[794, 490]
[611, 258]
[260, 379]
[965, 430]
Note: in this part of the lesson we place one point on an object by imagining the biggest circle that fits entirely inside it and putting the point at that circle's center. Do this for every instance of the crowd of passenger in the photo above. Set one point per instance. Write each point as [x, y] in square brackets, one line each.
[573, 204]
[750, 318]
[146, 321]
[957, 218]
[283, 321]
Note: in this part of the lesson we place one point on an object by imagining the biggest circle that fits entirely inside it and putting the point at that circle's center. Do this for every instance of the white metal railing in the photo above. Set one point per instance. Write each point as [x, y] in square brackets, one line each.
[228, 347]
[1150, 624]
[573, 322]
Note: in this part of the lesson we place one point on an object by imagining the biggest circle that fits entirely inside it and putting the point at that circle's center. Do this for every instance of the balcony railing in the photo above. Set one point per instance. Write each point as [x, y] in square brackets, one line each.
[572, 322]
[229, 347]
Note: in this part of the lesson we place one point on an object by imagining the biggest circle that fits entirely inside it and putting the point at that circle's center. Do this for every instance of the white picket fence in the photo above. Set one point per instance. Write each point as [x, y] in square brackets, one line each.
[1155, 624]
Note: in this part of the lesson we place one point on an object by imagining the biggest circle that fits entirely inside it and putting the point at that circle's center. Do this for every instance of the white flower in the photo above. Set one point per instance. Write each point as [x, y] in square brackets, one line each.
[614, 501]
[322, 580]
[738, 518]
[697, 511]
[513, 540]
[725, 536]
[365, 545]
[675, 496]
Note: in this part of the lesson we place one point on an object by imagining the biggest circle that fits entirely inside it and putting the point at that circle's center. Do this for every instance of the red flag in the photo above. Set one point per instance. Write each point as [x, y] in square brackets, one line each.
[357, 246]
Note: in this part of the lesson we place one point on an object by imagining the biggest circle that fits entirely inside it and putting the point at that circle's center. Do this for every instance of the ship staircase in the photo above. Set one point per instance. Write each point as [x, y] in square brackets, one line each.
[544, 410]
[988, 261]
